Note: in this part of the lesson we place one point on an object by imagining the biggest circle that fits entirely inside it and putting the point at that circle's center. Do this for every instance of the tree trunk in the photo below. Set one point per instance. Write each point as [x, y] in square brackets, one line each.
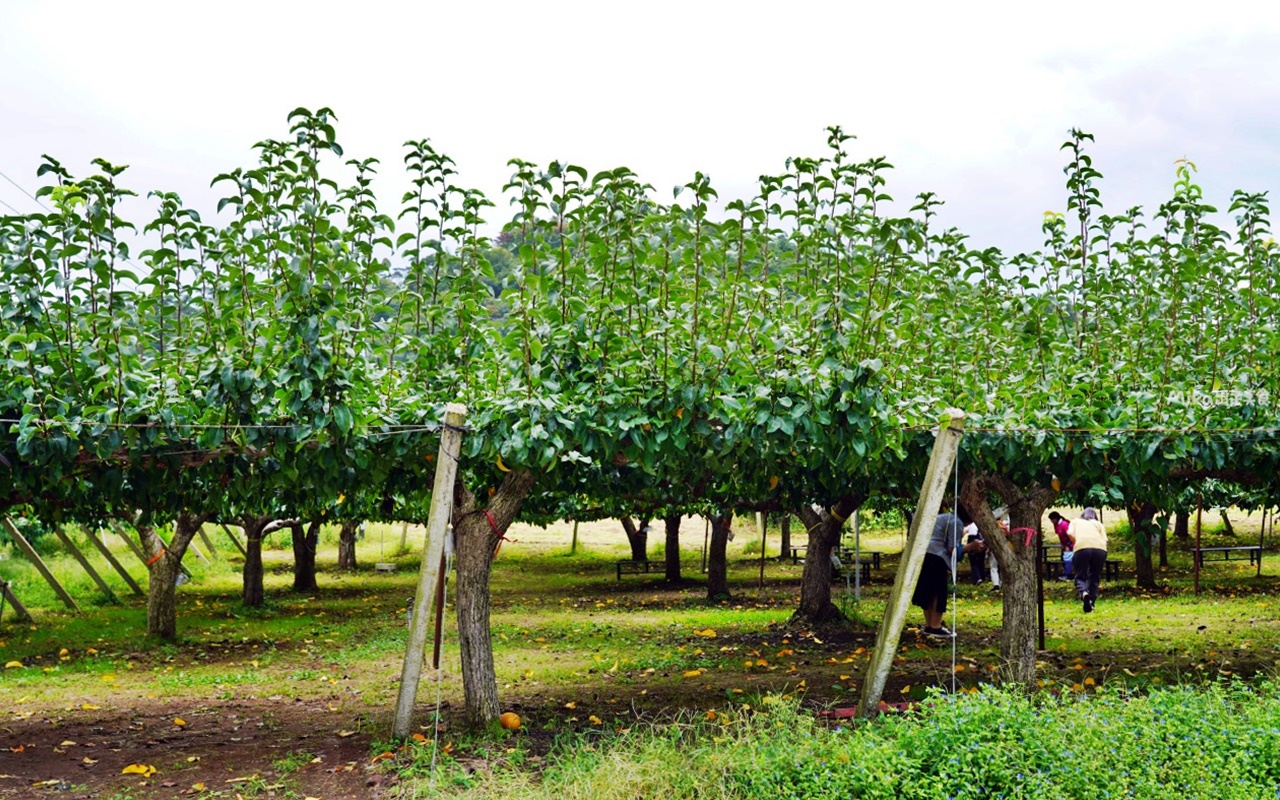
[347, 545]
[163, 569]
[304, 556]
[476, 541]
[1182, 525]
[824, 534]
[252, 594]
[672, 549]
[1227, 528]
[1142, 529]
[638, 538]
[717, 557]
[785, 527]
[1020, 623]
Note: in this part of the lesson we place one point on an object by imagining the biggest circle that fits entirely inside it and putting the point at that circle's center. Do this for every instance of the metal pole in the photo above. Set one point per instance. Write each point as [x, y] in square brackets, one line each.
[857, 557]
[895, 612]
[1199, 555]
[1262, 535]
[763, 526]
[706, 532]
[1040, 565]
[437, 525]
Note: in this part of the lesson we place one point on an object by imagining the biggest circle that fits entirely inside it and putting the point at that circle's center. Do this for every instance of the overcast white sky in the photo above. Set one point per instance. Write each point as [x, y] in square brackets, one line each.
[969, 100]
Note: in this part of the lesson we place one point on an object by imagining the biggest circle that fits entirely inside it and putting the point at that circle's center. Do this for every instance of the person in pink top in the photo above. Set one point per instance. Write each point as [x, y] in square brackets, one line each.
[1060, 526]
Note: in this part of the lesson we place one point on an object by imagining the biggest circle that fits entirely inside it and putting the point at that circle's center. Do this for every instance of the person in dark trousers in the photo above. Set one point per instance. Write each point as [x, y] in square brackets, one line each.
[1060, 526]
[1089, 542]
[936, 573]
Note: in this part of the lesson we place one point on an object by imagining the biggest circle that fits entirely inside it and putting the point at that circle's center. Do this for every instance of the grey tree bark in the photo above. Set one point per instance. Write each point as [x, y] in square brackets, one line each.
[637, 537]
[304, 556]
[824, 528]
[252, 593]
[1142, 528]
[347, 544]
[1019, 631]
[718, 557]
[672, 548]
[163, 569]
[477, 535]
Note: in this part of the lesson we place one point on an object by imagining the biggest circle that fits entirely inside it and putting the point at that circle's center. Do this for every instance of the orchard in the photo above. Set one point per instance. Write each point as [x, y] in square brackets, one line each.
[623, 351]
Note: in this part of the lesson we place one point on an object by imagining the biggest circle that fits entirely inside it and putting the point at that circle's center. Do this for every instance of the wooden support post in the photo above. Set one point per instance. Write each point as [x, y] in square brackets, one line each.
[119, 530]
[936, 480]
[232, 536]
[137, 549]
[192, 546]
[19, 609]
[34, 557]
[111, 559]
[84, 564]
[208, 542]
[437, 526]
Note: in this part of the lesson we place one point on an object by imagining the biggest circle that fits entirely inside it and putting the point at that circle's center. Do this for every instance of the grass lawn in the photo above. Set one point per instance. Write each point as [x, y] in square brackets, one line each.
[578, 652]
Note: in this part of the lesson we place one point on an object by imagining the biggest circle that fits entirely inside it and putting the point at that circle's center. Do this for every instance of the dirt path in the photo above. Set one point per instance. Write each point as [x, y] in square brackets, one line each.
[257, 748]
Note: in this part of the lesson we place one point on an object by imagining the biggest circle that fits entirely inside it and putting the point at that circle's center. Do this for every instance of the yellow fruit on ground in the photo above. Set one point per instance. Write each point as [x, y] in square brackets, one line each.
[510, 721]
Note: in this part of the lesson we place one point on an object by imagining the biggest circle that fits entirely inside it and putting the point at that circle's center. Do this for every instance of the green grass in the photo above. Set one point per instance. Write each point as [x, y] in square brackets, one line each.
[567, 631]
[1221, 740]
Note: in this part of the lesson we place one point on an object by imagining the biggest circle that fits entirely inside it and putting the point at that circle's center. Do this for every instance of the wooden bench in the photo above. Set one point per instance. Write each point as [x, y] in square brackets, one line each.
[796, 551]
[632, 567]
[1253, 551]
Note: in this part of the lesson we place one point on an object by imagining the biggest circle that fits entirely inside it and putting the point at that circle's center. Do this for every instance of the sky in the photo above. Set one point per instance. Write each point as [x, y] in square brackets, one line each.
[968, 100]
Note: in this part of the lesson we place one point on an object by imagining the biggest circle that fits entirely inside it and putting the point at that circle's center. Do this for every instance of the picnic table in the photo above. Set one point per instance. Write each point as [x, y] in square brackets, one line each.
[1254, 552]
[637, 566]
[1110, 569]
[845, 553]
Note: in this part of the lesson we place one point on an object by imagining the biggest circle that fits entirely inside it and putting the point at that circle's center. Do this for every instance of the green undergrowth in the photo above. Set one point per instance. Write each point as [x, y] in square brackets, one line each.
[1218, 740]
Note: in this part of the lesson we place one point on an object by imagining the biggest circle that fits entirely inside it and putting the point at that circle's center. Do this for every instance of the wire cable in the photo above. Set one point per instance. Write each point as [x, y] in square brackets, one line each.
[435, 732]
[34, 199]
[955, 510]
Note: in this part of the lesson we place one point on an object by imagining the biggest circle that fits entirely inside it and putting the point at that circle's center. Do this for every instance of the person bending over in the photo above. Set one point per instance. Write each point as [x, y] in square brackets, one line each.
[937, 572]
[1089, 541]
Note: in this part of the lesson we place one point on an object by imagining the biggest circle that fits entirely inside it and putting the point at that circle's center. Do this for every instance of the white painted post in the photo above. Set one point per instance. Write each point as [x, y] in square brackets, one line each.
[936, 480]
[437, 525]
